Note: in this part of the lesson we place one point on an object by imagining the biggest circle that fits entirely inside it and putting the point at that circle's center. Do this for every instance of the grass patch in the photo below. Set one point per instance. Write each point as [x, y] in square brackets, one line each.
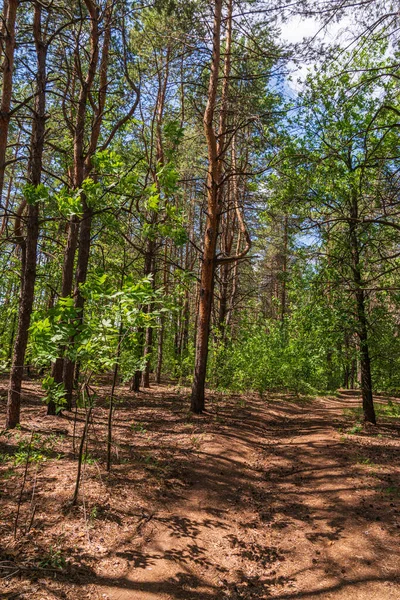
[391, 410]
[362, 460]
[357, 428]
[392, 490]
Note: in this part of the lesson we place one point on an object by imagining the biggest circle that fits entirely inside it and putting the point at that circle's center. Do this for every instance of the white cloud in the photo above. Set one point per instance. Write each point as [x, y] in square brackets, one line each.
[295, 30]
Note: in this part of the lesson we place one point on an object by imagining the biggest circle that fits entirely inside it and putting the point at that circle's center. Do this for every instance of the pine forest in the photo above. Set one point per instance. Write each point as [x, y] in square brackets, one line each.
[199, 299]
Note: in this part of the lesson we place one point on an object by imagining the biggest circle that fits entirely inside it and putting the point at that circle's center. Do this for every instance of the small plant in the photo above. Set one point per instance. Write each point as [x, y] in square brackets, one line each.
[241, 403]
[188, 417]
[55, 392]
[365, 461]
[93, 515]
[391, 410]
[392, 490]
[5, 458]
[8, 474]
[53, 559]
[357, 428]
[150, 460]
[195, 441]
[88, 459]
[138, 427]
[29, 449]
[38, 448]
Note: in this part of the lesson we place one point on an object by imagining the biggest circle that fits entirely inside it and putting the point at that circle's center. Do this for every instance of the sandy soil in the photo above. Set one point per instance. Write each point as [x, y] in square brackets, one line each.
[257, 498]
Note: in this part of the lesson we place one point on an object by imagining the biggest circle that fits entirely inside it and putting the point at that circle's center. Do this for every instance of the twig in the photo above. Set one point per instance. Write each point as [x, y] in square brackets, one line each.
[81, 446]
[32, 519]
[23, 485]
[143, 520]
[33, 506]
[26, 567]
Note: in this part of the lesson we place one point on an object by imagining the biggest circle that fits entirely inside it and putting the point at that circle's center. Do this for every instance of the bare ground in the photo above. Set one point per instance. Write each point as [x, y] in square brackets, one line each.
[258, 498]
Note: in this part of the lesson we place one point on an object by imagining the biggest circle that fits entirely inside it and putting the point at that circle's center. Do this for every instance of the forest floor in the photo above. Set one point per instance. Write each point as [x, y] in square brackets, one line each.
[276, 497]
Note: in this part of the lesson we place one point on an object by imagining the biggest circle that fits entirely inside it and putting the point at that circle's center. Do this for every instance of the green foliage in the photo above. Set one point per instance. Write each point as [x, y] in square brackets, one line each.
[138, 427]
[357, 428]
[53, 331]
[88, 459]
[35, 194]
[263, 358]
[113, 317]
[108, 162]
[173, 132]
[55, 392]
[299, 354]
[53, 559]
[69, 203]
[37, 449]
[93, 515]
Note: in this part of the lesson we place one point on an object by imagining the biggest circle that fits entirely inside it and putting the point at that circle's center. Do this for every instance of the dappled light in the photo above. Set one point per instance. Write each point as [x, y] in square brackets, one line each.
[199, 300]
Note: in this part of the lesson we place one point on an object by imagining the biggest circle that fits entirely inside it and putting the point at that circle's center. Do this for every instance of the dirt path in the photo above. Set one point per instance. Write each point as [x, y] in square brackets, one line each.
[280, 506]
[257, 499]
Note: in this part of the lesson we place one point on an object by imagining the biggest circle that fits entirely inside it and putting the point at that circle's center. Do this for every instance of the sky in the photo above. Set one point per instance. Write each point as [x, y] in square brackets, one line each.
[296, 29]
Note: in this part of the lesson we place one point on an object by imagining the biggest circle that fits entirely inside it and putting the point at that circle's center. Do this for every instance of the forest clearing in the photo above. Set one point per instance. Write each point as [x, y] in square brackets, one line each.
[199, 299]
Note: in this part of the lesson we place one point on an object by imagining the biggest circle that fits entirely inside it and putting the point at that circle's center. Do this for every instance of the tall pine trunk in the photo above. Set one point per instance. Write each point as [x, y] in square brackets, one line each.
[214, 193]
[8, 34]
[29, 244]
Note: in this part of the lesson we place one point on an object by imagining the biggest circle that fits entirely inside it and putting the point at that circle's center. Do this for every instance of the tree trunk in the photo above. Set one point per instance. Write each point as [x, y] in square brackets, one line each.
[29, 245]
[148, 336]
[235, 284]
[66, 289]
[353, 372]
[135, 382]
[365, 361]
[160, 349]
[284, 268]
[362, 329]
[148, 346]
[28, 276]
[204, 316]
[212, 220]
[81, 274]
[9, 16]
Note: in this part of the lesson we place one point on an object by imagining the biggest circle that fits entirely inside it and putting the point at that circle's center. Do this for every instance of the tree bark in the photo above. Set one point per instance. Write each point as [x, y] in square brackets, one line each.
[81, 275]
[214, 195]
[9, 16]
[160, 348]
[362, 330]
[284, 267]
[148, 336]
[29, 245]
